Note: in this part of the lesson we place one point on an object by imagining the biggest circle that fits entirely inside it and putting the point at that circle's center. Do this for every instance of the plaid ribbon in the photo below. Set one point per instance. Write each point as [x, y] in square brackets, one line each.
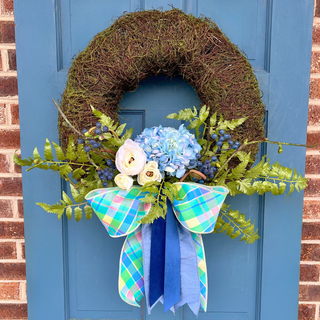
[120, 211]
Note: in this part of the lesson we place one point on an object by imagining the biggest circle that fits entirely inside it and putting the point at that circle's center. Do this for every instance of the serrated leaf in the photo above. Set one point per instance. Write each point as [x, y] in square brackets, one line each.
[77, 214]
[148, 199]
[75, 194]
[81, 154]
[59, 153]
[203, 114]
[185, 114]
[69, 212]
[282, 187]
[64, 170]
[105, 120]
[120, 129]
[36, 154]
[194, 124]
[66, 198]
[232, 124]
[128, 134]
[48, 150]
[55, 208]
[22, 162]
[71, 149]
[117, 142]
[88, 211]
[155, 213]
[78, 173]
[291, 189]
[236, 234]
[213, 120]
[54, 167]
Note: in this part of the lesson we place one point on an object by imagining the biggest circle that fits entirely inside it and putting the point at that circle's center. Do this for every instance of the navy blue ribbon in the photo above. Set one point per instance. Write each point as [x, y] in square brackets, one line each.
[165, 261]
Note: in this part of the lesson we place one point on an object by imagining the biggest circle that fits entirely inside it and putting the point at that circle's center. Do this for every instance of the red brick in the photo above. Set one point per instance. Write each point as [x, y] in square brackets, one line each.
[8, 250]
[10, 139]
[0, 62]
[309, 272]
[7, 32]
[4, 163]
[311, 209]
[314, 88]
[12, 59]
[12, 271]
[313, 164]
[314, 116]
[11, 230]
[313, 188]
[316, 34]
[20, 208]
[7, 7]
[310, 252]
[8, 86]
[307, 312]
[3, 117]
[10, 187]
[311, 230]
[5, 209]
[23, 247]
[313, 139]
[309, 293]
[15, 114]
[9, 291]
[13, 311]
[315, 62]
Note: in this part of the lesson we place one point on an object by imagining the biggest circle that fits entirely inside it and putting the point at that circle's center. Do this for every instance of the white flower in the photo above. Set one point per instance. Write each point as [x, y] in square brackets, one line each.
[149, 173]
[130, 158]
[123, 181]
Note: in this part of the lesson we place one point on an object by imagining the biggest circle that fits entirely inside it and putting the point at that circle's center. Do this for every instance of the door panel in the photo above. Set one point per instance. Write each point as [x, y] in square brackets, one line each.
[76, 275]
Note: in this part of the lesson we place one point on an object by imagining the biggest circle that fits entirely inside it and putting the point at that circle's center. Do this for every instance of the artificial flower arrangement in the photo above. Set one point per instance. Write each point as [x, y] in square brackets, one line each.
[141, 188]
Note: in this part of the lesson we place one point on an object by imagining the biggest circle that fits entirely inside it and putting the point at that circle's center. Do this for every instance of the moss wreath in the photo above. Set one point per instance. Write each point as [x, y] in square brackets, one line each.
[141, 44]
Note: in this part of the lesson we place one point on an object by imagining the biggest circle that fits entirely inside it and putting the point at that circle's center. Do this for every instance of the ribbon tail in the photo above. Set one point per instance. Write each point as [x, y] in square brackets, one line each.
[172, 277]
[202, 269]
[131, 282]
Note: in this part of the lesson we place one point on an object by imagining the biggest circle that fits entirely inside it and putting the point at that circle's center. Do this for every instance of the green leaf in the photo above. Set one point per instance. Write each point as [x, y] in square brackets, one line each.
[291, 189]
[128, 134]
[64, 170]
[36, 154]
[194, 124]
[231, 125]
[59, 153]
[81, 154]
[54, 167]
[75, 194]
[120, 129]
[21, 162]
[77, 214]
[203, 114]
[246, 187]
[155, 212]
[71, 149]
[88, 211]
[69, 212]
[148, 199]
[66, 199]
[105, 120]
[48, 150]
[213, 120]
[78, 173]
[186, 114]
[55, 208]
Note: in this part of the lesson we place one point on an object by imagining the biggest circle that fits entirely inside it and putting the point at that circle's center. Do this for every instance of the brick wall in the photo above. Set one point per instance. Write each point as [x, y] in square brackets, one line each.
[310, 243]
[13, 298]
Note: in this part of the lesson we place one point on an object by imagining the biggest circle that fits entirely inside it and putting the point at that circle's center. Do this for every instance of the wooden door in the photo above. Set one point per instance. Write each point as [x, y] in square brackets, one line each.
[72, 267]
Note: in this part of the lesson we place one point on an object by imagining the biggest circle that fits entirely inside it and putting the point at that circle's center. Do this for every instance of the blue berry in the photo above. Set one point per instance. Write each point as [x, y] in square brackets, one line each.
[214, 169]
[199, 164]
[109, 162]
[80, 141]
[221, 138]
[214, 158]
[194, 179]
[205, 171]
[230, 142]
[214, 136]
[105, 184]
[92, 141]
[201, 181]
[219, 143]
[237, 143]
[221, 131]
[97, 131]
[207, 162]
[86, 148]
[235, 146]
[105, 129]
[98, 125]
[192, 162]
[84, 131]
[227, 136]
[95, 145]
[198, 155]
[211, 175]
[110, 177]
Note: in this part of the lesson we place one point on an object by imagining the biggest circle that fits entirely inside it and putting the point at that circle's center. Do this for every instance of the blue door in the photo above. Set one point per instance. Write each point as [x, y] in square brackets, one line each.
[72, 268]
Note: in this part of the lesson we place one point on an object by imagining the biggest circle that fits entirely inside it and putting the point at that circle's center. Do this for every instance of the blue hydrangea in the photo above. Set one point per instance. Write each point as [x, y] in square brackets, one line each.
[172, 149]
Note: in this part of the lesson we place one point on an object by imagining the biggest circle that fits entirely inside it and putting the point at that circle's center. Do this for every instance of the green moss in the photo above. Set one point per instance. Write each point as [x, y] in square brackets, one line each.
[140, 44]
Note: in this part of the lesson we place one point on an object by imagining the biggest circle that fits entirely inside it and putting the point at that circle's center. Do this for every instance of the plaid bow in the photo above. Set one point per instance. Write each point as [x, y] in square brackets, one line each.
[120, 211]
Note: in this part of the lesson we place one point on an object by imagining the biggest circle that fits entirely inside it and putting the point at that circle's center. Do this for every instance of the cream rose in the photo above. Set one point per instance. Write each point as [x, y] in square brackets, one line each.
[123, 181]
[130, 158]
[149, 173]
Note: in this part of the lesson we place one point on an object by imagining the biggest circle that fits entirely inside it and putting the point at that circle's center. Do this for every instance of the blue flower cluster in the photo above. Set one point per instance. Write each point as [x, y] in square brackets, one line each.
[172, 149]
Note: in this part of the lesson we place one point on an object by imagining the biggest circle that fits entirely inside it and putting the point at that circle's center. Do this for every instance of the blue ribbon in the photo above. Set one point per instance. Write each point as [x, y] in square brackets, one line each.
[165, 261]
